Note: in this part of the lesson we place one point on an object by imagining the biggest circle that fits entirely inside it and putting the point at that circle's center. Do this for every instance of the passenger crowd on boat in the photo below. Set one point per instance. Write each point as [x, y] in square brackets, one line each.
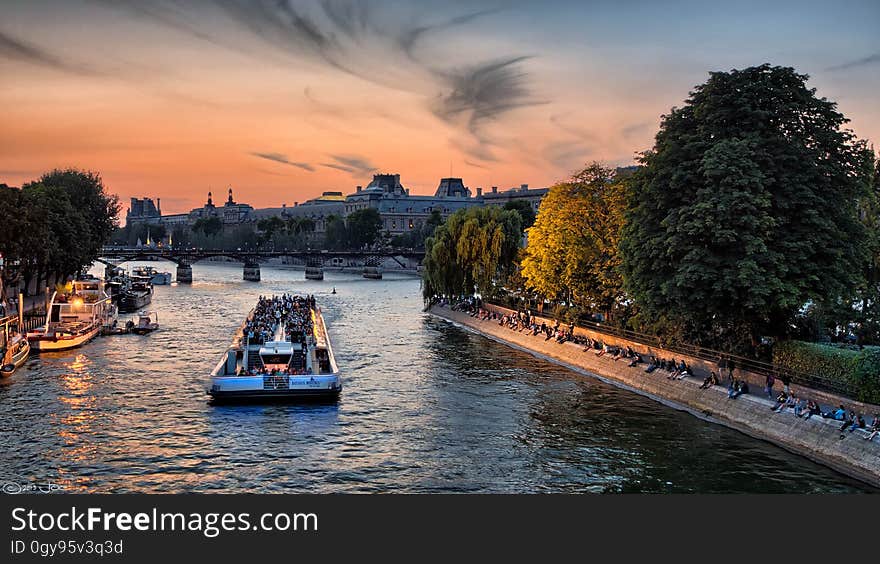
[294, 312]
[525, 322]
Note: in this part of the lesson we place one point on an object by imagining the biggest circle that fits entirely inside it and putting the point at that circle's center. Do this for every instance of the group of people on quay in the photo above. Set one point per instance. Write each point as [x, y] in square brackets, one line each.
[294, 312]
[525, 322]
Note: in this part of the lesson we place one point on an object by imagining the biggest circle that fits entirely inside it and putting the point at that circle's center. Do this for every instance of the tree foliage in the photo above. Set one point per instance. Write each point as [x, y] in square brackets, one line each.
[55, 225]
[473, 250]
[525, 211]
[363, 227]
[745, 209]
[573, 246]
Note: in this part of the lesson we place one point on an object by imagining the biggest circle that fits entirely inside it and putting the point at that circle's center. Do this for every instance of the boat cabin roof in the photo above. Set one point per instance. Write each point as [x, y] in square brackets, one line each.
[279, 347]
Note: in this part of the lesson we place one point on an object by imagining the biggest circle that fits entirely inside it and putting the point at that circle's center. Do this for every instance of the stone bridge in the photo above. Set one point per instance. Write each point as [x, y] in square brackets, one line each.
[185, 258]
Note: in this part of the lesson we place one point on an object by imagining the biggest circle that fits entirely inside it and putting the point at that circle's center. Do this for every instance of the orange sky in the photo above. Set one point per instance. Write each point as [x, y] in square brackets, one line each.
[170, 100]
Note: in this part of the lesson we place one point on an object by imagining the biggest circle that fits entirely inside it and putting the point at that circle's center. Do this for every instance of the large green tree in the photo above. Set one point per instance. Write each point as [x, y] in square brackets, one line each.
[363, 227]
[745, 210]
[473, 250]
[573, 246]
[55, 226]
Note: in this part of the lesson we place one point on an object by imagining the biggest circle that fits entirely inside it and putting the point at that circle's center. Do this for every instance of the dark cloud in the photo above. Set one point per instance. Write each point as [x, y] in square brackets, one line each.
[343, 168]
[353, 164]
[483, 92]
[476, 165]
[279, 158]
[16, 50]
[869, 60]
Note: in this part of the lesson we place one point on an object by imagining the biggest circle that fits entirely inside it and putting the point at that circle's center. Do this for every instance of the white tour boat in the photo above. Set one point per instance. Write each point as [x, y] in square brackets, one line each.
[75, 317]
[281, 352]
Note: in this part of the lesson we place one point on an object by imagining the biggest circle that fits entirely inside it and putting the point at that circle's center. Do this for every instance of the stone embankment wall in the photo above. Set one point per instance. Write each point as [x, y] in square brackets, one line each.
[702, 368]
[818, 439]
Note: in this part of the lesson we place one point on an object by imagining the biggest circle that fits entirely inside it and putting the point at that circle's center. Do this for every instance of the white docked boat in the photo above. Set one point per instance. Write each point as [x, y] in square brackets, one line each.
[281, 351]
[75, 317]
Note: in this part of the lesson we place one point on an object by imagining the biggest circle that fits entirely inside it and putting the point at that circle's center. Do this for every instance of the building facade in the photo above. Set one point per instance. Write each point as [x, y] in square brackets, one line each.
[143, 210]
[400, 211]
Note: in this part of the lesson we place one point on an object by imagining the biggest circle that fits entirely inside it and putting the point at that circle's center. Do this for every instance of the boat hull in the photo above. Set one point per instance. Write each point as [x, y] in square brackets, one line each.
[130, 302]
[44, 343]
[18, 359]
[269, 388]
[161, 279]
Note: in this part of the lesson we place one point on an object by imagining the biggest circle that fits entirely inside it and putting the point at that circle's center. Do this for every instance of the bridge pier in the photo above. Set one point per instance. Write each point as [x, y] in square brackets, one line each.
[184, 273]
[252, 271]
[314, 269]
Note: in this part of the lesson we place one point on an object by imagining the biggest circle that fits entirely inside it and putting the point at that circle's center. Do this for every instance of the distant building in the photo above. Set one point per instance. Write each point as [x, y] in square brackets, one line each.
[317, 209]
[531, 195]
[142, 210]
[231, 213]
[401, 212]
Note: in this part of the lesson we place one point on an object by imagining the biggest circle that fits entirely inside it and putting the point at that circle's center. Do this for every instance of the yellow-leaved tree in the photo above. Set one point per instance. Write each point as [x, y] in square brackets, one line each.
[573, 246]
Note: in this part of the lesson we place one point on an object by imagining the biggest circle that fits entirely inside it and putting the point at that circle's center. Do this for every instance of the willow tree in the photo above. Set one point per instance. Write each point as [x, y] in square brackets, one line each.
[745, 210]
[472, 251]
[573, 245]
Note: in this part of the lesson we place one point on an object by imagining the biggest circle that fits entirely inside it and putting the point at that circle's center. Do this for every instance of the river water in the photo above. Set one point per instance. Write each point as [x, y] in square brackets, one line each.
[426, 407]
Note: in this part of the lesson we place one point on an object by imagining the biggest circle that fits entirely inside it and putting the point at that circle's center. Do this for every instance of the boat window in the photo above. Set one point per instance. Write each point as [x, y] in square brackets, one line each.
[56, 311]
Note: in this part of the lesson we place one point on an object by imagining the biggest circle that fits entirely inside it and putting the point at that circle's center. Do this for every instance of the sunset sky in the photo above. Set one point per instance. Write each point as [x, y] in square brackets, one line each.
[283, 100]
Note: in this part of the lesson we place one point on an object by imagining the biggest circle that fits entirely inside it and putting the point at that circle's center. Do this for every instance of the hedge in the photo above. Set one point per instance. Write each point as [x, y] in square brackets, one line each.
[855, 370]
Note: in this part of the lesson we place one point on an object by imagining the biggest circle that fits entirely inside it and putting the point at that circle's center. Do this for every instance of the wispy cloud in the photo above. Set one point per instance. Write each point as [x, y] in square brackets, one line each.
[635, 129]
[279, 158]
[566, 154]
[869, 60]
[352, 164]
[475, 165]
[369, 41]
[13, 49]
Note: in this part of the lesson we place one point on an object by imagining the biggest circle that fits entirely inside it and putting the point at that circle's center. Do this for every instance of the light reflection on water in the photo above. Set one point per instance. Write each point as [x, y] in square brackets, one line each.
[427, 407]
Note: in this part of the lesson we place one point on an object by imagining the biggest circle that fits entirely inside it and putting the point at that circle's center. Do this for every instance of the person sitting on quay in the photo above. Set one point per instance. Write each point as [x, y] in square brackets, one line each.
[780, 401]
[711, 380]
[683, 370]
[653, 365]
[874, 429]
[801, 407]
[739, 388]
[636, 359]
[855, 421]
[812, 409]
[791, 401]
[838, 415]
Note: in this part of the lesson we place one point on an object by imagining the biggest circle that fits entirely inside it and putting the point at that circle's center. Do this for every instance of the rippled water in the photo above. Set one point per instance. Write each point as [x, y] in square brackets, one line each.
[427, 407]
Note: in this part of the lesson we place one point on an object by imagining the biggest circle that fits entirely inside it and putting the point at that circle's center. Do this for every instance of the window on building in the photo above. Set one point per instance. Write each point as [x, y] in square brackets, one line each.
[410, 223]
